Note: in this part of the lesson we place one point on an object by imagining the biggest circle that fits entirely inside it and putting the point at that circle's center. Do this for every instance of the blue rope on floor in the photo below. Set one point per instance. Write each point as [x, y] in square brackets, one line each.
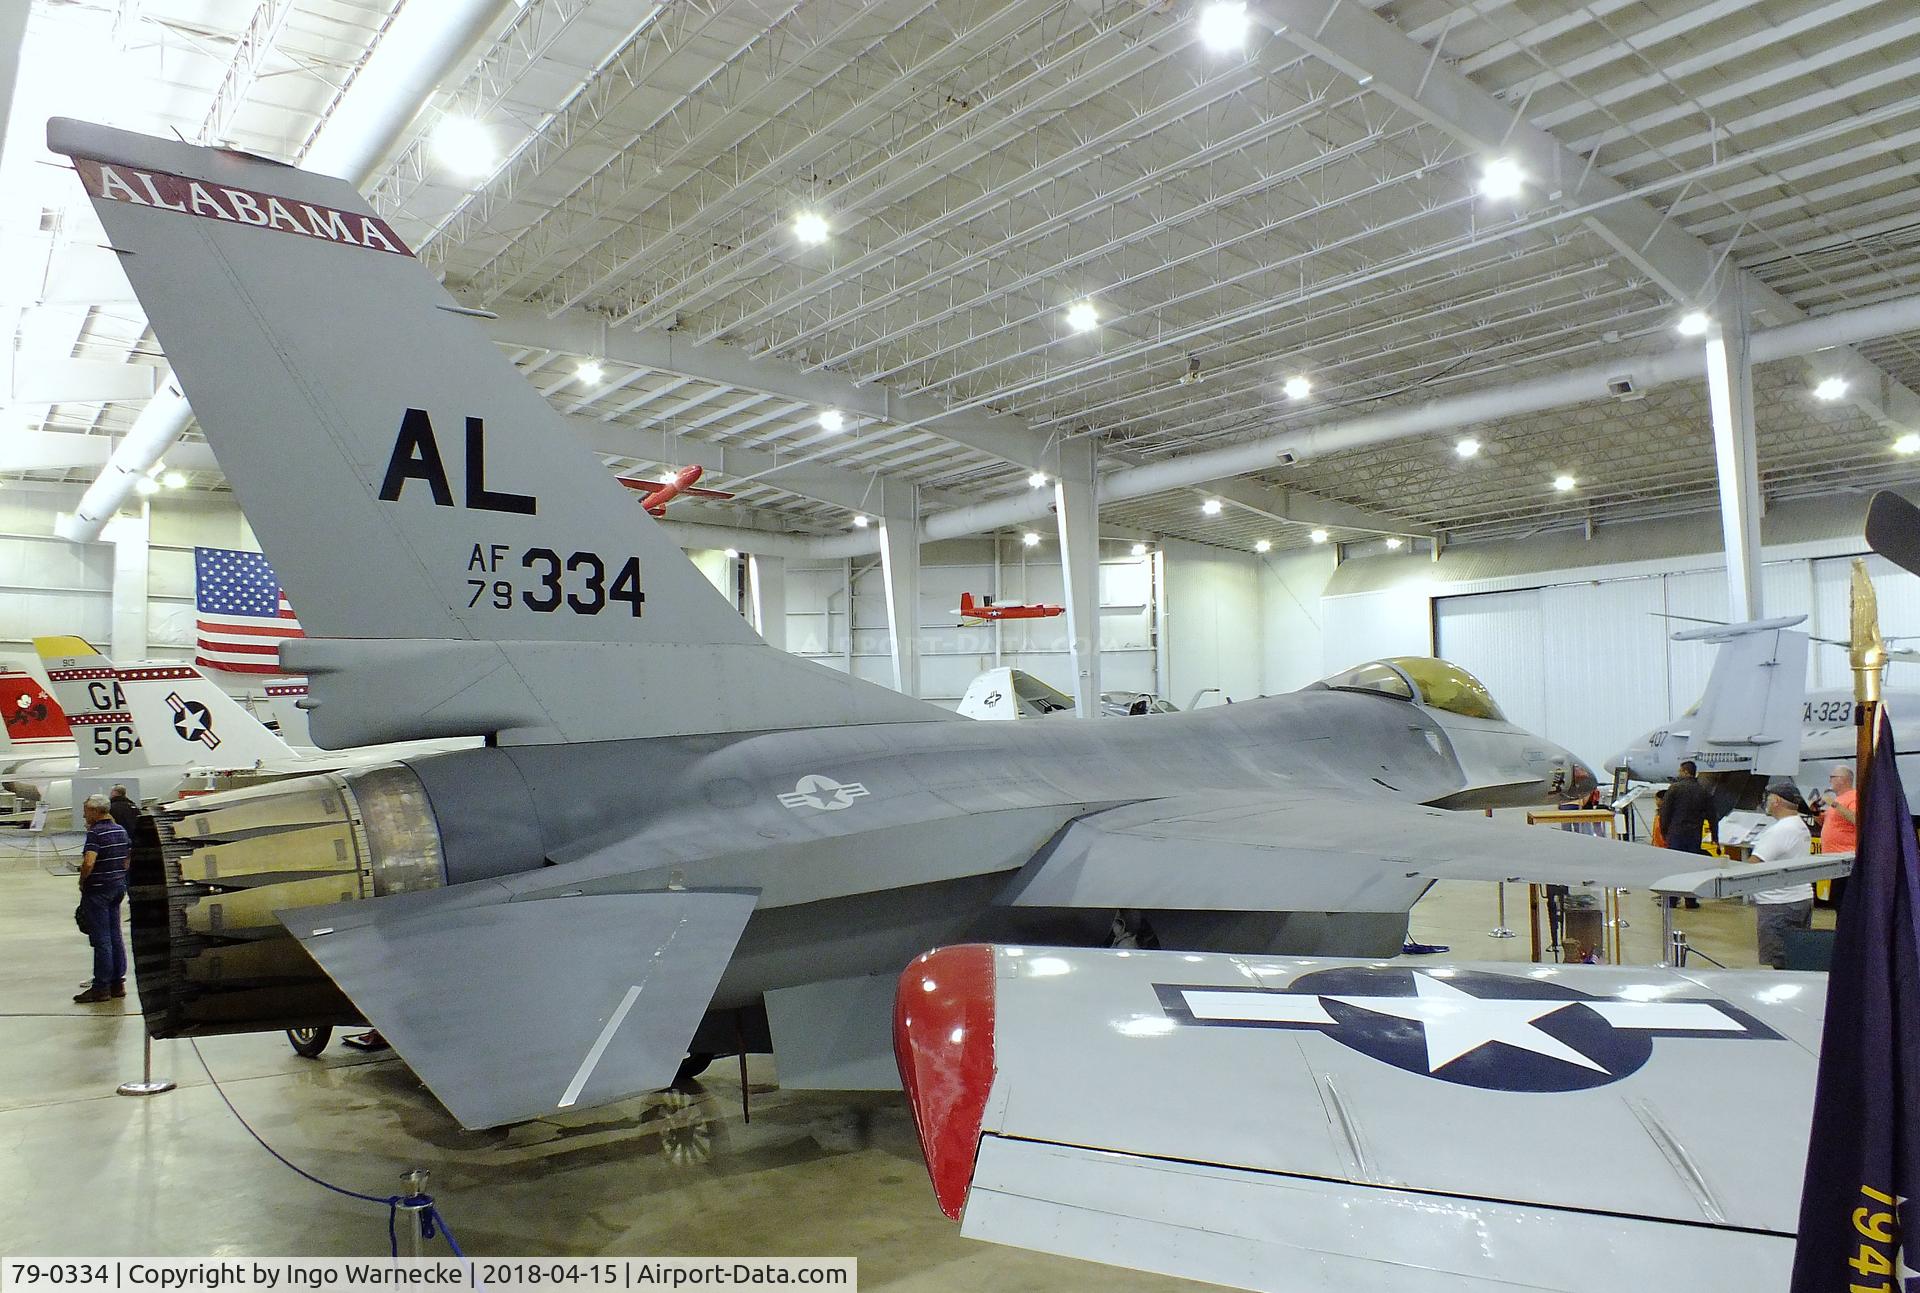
[430, 1218]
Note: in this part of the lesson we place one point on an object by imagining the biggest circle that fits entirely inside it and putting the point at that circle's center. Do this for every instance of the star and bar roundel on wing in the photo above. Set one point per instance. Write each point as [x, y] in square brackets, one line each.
[1494, 1031]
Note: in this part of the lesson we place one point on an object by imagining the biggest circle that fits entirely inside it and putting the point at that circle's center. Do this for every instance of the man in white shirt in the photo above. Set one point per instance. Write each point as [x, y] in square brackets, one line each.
[1791, 907]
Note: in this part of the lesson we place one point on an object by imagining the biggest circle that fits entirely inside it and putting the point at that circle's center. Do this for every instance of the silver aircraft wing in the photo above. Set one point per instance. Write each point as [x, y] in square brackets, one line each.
[1353, 1125]
[1317, 849]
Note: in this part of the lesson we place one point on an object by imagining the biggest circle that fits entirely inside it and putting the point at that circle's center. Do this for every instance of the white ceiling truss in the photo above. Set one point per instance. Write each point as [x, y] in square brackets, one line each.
[1307, 206]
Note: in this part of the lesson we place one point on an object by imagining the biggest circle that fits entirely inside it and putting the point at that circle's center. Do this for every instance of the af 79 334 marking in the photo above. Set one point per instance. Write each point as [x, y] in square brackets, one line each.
[578, 582]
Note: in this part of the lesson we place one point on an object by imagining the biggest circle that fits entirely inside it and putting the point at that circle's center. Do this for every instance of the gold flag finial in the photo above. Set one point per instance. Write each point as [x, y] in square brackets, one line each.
[1867, 647]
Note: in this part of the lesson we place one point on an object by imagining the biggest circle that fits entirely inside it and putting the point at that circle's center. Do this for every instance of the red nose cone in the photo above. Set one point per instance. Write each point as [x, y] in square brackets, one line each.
[943, 1043]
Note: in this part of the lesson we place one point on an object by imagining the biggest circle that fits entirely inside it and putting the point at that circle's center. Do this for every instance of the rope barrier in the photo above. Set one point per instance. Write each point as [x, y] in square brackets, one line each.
[430, 1218]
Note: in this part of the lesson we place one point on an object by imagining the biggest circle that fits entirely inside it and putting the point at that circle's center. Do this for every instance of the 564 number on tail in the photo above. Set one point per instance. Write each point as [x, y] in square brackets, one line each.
[583, 583]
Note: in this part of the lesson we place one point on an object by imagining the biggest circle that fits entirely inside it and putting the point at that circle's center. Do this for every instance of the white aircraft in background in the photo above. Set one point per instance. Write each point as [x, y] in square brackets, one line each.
[163, 725]
[1756, 716]
[1004, 693]
[1303, 1124]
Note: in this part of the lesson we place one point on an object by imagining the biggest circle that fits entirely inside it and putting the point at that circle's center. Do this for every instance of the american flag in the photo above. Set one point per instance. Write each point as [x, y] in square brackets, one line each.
[243, 614]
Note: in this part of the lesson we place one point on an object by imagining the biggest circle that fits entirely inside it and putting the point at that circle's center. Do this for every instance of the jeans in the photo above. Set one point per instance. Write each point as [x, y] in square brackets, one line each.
[1772, 920]
[100, 906]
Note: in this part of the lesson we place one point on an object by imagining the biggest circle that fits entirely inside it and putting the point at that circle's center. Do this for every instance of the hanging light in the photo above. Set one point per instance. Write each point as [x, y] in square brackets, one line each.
[1318, 536]
[1211, 507]
[1082, 316]
[1467, 448]
[1223, 26]
[1031, 539]
[860, 522]
[1501, 179]
[1297, 388]
[832, 420]
[590, 372]
[810, 227]
[1139, 549]
[465, 147]
[1694, 323]
[1264, 545]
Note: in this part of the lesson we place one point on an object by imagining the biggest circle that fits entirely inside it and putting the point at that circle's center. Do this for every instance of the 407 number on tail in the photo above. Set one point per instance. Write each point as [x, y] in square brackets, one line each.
[583, 583]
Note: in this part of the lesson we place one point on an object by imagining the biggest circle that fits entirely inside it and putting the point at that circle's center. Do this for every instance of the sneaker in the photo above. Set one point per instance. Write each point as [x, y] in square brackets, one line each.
[119, 988]
[92, 995]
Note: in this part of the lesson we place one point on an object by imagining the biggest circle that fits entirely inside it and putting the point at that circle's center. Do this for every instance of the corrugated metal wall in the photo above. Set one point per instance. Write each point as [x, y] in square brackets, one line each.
[1591, 664]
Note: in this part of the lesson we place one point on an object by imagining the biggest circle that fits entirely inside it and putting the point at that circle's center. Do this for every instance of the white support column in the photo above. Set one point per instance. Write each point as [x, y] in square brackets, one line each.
[900, 567]
[1736, 460]
[767, 586]
[128, 535]
[1077, 507]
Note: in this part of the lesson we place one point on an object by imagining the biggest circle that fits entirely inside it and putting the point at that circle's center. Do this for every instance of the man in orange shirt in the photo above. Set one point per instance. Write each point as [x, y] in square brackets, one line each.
[1840, 822]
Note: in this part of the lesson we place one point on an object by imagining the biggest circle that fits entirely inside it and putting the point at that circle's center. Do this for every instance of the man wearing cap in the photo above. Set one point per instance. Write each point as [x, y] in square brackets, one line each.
[1790, 907]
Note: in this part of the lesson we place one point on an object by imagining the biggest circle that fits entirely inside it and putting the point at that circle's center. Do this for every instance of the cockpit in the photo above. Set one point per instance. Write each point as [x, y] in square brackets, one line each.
[1430, 681]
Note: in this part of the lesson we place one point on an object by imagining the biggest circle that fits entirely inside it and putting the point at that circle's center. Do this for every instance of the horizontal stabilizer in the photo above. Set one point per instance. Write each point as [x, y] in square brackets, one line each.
[510, 1010]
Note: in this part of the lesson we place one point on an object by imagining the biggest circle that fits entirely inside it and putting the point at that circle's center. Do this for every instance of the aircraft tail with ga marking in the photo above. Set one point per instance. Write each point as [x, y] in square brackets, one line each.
[104, 737]
[463, 564]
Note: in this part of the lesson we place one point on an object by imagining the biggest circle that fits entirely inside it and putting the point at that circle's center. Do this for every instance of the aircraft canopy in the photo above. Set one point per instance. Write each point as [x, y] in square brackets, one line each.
[1433, 682]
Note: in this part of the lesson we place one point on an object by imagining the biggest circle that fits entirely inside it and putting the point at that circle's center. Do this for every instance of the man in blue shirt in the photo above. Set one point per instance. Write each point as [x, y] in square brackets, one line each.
[103, 887]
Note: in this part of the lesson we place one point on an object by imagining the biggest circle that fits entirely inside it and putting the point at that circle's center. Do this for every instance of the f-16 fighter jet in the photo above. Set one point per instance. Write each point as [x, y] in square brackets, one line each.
[678, 840]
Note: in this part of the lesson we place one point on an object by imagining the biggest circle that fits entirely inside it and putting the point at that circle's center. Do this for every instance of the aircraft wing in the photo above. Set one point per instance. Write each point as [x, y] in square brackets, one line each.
[511, 1006]
[1319, 1124]
[1320, 849]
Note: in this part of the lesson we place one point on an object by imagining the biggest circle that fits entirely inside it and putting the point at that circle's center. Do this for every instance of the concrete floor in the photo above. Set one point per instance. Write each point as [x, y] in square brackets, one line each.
[812, 1174]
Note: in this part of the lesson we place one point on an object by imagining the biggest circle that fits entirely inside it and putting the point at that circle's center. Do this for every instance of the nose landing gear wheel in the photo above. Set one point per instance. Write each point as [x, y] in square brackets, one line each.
[307, 1043]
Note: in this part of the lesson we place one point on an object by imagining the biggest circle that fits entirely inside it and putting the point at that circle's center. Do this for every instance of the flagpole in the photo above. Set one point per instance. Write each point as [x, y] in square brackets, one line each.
[1868, 654]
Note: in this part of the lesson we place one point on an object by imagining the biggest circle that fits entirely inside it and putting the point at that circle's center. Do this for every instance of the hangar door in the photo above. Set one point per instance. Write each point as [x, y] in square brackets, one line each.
[1591, 664]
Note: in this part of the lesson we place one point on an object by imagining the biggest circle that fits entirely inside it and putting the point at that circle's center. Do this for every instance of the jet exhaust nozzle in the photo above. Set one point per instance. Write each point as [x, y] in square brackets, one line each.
[209, 873]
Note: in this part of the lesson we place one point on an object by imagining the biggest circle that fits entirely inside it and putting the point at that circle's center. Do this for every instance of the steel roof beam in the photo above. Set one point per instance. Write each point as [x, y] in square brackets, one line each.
[1297, 507]
[1367, 48]
[1005, 438]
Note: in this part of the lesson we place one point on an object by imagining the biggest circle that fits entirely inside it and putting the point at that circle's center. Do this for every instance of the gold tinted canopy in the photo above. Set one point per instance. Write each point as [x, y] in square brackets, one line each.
[1436, 683]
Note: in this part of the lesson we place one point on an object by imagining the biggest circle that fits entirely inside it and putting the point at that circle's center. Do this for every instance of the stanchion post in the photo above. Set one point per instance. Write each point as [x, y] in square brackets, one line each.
[148, 1084]
[1677, 948]
[415, 1204]
[1500, 929]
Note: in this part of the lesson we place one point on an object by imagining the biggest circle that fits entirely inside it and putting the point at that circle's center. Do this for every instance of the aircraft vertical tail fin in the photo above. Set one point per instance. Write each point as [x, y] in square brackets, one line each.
[83, 682]
[1749, 717]
[184, 717]
[283, 698]
[462, 562]
[33, 718]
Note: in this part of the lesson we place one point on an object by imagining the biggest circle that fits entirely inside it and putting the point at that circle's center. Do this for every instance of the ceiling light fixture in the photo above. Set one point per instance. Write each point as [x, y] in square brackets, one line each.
[1395, 543]
[1139, 549]
[1908, 443]
[1264, 545]
[1037, 481]
[859, 522]
[1501, 179]
[590, 372]
[1467, 448]
[465, 147]
[732, 553]
[1031, 539]
[810, 227]
[174, 480]
[1211, 507]
[1318, 536]
[1223, 27]
[1298, 388]
[1082, 317]
[1563, 483]
[833, 420]
[1830, 389]
[1694, 323]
